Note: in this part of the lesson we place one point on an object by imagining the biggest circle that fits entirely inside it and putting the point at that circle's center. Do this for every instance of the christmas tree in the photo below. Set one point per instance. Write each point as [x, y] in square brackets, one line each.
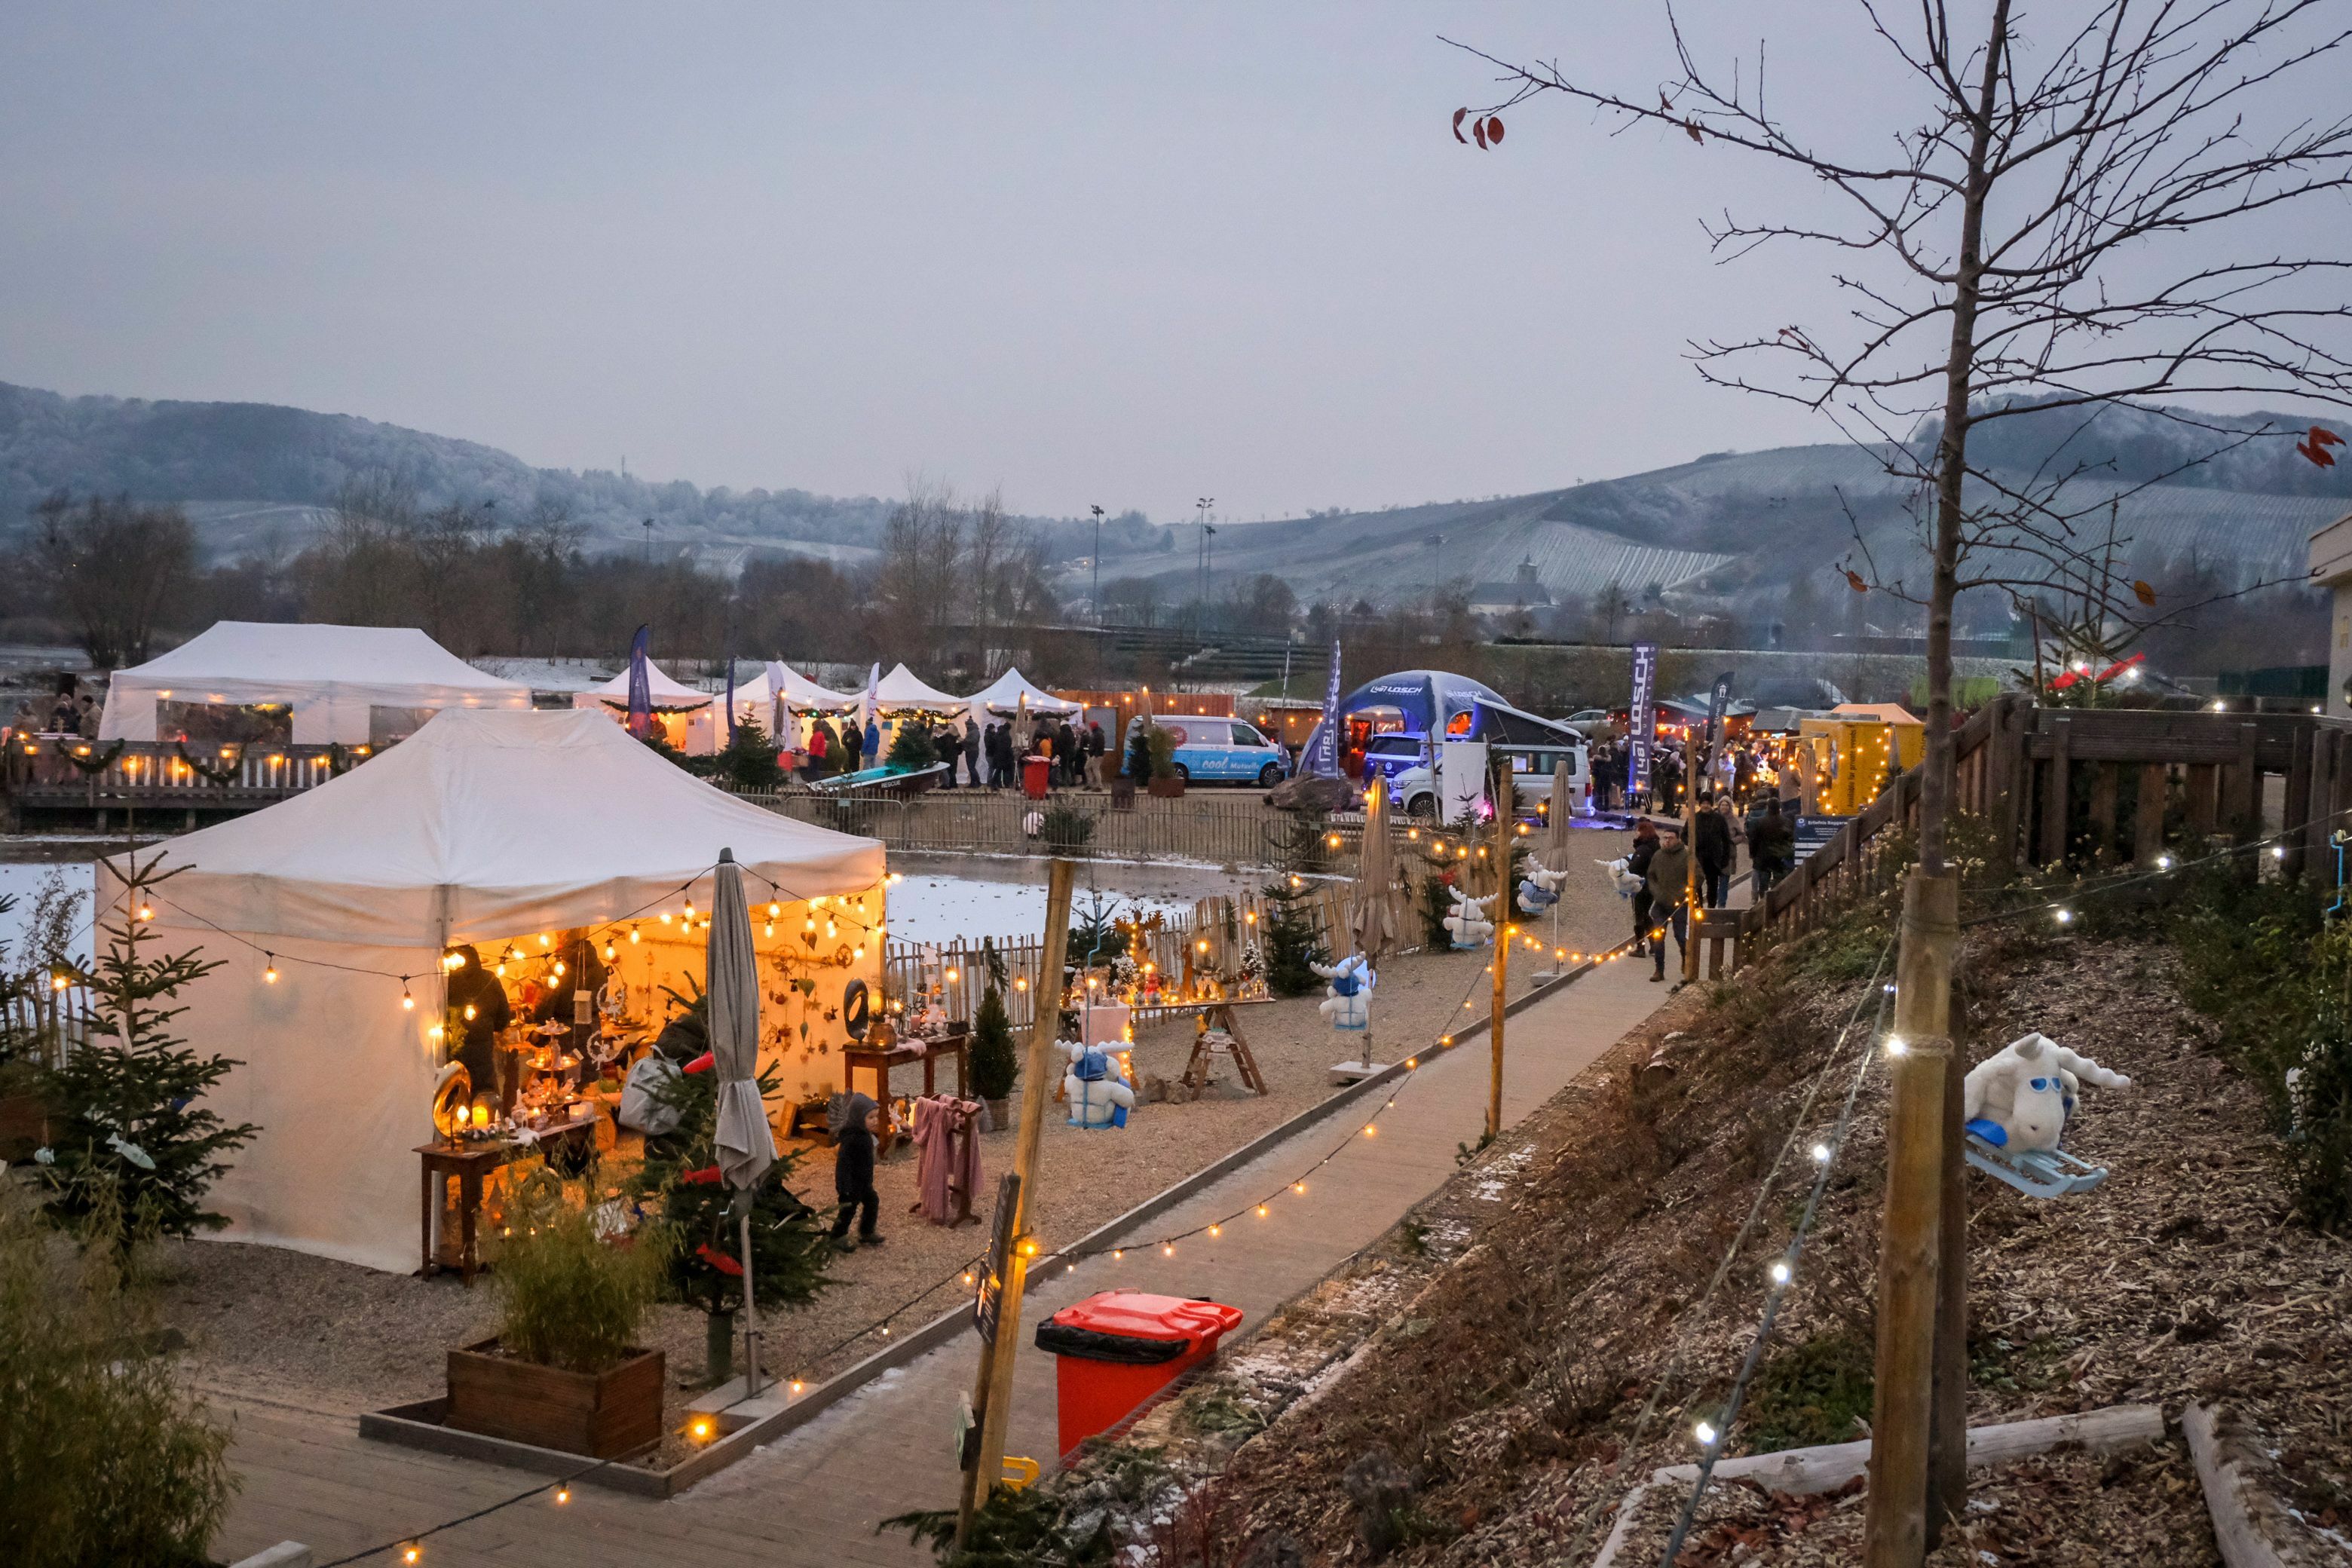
[134, 1139]
[680, 1185]
[994, 1062]
[1293, 946]
[911, 750]
[748, 761]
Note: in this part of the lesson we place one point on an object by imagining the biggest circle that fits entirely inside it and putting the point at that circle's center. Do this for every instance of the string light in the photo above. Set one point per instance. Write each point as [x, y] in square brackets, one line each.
[1168, 1250]
[562, 1495]
[2065, 917]
[1894, 1045]
[1822, 1154]
[1214, 1230]
[798, 1385]
[1780, 1272]
[774, 909]
[407, 1002]
[1706, 1434]
[270, 968]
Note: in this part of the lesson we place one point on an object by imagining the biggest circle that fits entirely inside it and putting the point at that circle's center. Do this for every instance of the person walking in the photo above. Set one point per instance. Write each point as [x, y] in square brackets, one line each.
[871, 751]
[1772, 845]
[855, 1127]
[1711, 834]
[970, 754]
[818, 754]
[1645, 845]
[1098, 745]
[1669, 889]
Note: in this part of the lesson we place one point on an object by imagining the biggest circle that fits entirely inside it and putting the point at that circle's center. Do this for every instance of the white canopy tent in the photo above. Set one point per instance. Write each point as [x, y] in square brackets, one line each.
[1008, 692]
[900, 692]
[334, 679]
[756, 698]
[486, 828]
[690, 719]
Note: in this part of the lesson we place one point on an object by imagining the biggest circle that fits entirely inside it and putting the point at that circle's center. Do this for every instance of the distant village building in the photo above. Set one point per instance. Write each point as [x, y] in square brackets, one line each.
[1523, 595]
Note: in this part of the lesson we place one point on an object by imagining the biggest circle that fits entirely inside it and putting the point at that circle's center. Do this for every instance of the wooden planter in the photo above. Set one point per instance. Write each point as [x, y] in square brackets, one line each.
[601, 1414]
[1167, 786]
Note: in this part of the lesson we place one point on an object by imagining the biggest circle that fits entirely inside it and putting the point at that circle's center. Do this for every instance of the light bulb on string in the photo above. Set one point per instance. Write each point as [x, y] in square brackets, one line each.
[270, 968]
[1780, 1271]
[632, 935]
[407, 1002]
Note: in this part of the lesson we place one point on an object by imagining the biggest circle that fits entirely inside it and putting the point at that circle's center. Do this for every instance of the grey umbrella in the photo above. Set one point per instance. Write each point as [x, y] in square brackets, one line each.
[745, 1146]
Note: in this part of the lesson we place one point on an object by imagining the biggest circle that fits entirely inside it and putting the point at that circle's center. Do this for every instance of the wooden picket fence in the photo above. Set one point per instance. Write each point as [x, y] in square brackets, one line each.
[42, 1021]
[1207, 939]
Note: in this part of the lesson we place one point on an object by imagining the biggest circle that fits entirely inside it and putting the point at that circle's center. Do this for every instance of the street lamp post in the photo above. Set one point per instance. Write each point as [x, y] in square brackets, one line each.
[1098, 598]
[1201, 598]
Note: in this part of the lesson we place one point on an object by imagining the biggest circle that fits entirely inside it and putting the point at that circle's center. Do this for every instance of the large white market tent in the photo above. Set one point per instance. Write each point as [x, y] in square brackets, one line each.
[900, 691]
[800, 694]
[691, 717]
[1007, 693]
[333, 678]
[483, 827]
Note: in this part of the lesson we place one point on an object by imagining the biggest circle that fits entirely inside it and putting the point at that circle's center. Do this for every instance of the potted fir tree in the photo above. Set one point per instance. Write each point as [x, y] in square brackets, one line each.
[995, 1061]
[680, 1182]
[1167, 783]
[565, 1370]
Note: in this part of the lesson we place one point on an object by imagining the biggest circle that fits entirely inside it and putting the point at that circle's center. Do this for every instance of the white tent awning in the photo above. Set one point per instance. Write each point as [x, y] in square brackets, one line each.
[900, 691]
[331, 676]
[669, 695]
[1006, 693]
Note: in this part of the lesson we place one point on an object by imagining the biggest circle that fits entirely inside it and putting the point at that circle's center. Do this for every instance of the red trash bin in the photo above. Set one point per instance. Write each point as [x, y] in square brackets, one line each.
[1117, 1349]
[1036, 772]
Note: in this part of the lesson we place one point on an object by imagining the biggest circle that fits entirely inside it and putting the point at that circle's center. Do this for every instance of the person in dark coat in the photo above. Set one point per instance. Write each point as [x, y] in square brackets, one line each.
[1669, 880]
[479, 1004]
[854, 1123]
[1645, 845]
[1095, 746]
[970, 755]
[1713, 845]
[1772, 845]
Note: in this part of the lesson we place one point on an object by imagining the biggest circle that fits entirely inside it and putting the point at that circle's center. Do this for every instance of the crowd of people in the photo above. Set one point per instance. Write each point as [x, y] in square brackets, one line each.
[978, 756]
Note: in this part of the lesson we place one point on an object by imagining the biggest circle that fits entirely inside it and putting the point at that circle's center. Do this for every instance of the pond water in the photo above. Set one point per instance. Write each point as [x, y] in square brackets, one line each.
[942, 898]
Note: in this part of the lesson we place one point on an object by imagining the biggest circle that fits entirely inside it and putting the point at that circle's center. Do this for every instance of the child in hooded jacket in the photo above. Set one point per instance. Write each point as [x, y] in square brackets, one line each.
[855, 1124]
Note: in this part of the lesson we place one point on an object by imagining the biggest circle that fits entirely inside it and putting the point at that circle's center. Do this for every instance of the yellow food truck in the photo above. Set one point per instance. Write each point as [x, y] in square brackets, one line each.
[1847, 754]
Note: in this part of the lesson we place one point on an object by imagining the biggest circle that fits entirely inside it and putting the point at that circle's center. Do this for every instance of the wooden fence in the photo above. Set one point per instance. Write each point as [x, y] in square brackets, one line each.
[2057, 787]
[1217, 830]
[159, 777]
[1208, 939]
[42, 1020]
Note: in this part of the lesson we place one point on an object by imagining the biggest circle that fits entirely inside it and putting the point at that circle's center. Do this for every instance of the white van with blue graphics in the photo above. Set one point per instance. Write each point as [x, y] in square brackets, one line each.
[1221, 750]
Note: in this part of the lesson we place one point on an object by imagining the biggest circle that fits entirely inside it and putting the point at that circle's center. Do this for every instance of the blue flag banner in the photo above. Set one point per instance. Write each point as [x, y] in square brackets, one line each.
[1322, 759]
[641, 690]
[1719, 702]
[1644, 719]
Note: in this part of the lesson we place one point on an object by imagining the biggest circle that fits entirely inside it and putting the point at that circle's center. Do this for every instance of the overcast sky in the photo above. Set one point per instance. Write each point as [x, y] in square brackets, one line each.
[1118, 254]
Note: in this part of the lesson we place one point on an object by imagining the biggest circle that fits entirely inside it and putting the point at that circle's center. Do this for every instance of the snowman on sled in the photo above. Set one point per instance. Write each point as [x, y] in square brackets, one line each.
[2014, 1108]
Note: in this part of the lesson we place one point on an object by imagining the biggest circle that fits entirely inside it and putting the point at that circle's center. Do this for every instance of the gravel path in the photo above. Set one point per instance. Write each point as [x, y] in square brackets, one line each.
[285, 1327]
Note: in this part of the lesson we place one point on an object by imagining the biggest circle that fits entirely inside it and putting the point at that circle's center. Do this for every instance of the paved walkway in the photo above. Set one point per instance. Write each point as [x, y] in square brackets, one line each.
[814, 1497]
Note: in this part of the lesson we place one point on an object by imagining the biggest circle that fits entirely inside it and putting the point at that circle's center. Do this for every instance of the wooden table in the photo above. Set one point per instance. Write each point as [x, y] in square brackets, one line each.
[469, 1163]
[880, 1062]
[1220, 1012]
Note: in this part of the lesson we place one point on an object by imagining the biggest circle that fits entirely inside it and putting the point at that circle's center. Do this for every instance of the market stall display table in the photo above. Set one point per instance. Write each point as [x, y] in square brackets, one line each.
[1216, 1012]
[469, 1163]
[879, 1061]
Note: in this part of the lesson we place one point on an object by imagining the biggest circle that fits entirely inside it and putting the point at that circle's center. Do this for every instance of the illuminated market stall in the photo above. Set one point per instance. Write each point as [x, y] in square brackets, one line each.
[543, 864]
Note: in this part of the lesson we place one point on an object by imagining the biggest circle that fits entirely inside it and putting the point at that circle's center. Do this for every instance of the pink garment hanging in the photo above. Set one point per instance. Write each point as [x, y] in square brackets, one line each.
[947, 1158]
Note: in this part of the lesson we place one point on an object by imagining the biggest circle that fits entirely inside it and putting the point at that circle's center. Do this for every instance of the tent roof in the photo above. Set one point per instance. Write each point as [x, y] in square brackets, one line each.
[1874, 712]
[901, 689]
[802, 692]
[496, 822]
[1007, 690]
[666, 692]
[235, 658]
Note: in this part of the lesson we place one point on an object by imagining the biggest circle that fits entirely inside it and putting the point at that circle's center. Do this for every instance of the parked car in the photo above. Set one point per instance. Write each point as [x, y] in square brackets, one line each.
[1221, 750]
[1391, 754]
[1590, 723]
[1531, 770]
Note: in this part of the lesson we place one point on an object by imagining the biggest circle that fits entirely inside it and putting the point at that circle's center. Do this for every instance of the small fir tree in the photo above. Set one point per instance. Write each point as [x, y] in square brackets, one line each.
[1292, 942]
[134, 1139]
[994, 1062]
[749, 761]
[1138, 754]
[679, 1184]
[910, 747]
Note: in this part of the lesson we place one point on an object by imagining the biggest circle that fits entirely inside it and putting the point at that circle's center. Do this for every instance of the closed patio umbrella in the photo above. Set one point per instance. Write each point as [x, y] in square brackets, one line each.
[745, 1146]
[1371, 919]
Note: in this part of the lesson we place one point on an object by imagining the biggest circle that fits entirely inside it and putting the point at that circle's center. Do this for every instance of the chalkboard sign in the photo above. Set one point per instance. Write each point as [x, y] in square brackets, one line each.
[990, 1294]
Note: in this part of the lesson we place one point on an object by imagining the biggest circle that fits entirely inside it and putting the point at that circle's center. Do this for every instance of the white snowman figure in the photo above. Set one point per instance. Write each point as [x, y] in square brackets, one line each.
[2018, 1099]
[1539, 888]
[1468, 924]
[1348, 1000]
[1097, 1093]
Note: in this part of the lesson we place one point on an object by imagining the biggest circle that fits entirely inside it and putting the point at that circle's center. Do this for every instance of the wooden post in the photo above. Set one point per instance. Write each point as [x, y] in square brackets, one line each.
[2005, 757]
[2315, 802]
[1690, 848]
[2057, 795]
[1895, 1528]
[2296, 810]
[2147, 820]
[992, 1389]
[1505, 802]
[2244, 805]
[2104, 793]
[1923, 1001]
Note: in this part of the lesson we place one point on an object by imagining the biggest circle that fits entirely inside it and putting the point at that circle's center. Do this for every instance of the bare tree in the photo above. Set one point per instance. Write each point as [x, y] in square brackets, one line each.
[2068, 220]
[2065, 225]
[923, 555]
[114, 568]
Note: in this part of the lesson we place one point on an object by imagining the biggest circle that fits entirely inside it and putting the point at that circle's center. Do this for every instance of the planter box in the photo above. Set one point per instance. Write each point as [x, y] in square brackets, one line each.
[1167, 786]
[601, 1414]
[1122, 794]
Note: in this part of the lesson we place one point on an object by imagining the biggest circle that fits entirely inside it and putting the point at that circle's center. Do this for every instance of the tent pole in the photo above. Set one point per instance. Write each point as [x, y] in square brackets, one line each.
[751, 1309]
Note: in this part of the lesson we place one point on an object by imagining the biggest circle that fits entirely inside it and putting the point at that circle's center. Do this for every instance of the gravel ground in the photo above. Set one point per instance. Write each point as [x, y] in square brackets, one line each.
[269, 1324]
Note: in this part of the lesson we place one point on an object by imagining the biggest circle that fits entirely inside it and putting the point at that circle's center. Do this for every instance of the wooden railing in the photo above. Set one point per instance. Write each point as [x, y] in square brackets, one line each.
[2077, 788]
[63, 772]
